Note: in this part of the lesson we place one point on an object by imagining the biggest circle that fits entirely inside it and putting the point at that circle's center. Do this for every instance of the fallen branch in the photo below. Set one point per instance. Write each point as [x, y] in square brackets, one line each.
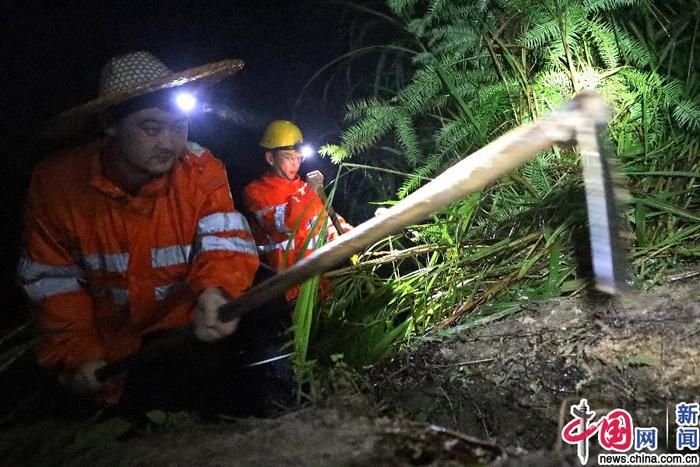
[387, 258]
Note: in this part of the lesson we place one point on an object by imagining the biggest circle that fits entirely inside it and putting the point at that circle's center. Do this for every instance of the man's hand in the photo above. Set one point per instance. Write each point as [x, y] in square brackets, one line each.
[207, 326]
[315, 180]
[84, 380]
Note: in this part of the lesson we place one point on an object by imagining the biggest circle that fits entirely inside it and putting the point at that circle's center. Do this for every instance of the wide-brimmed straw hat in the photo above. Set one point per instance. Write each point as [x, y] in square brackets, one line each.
[133, 75]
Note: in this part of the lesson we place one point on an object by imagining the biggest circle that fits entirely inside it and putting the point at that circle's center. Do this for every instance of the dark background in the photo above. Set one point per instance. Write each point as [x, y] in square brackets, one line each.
[52, 52]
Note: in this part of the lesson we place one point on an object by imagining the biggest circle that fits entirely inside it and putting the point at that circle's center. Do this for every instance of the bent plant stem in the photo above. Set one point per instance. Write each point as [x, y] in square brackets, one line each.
[382, 169]
[567, 50]
[455, 94]
[393, 256]
[487, 294]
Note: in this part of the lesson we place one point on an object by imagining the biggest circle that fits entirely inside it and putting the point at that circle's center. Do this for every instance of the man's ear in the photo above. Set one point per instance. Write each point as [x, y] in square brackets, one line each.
[270, 158]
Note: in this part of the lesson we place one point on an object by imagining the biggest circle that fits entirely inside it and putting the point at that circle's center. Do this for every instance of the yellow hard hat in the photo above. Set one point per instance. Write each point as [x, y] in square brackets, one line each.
[281, 134]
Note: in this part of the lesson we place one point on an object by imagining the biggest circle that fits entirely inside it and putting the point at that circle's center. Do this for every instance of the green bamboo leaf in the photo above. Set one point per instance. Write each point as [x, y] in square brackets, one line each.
[655, 202]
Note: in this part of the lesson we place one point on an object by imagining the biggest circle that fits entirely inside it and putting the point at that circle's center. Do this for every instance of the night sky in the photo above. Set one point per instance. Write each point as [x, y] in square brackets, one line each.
[52, 52]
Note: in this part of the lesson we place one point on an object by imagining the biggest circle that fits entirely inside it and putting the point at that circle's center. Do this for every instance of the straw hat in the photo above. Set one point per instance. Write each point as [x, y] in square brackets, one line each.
[133, 75]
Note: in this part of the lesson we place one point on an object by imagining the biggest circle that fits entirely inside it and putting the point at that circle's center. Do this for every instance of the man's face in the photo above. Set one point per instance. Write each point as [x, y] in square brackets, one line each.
[150, 140]
[285, 163]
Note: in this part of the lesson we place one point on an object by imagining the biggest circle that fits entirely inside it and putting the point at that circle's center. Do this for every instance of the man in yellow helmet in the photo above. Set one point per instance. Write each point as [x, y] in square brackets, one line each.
[282, 203]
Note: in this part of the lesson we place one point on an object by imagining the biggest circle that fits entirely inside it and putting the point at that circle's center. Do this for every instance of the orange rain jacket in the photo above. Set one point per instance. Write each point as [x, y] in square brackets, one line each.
[104, 267]
[280, 206]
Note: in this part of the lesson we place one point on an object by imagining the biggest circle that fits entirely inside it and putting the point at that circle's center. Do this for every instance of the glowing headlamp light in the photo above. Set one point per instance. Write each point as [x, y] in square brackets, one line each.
[185, 101]
[306, 151]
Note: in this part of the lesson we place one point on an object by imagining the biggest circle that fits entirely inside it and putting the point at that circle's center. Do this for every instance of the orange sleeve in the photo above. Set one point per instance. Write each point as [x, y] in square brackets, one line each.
[54, 283]
[225, 252]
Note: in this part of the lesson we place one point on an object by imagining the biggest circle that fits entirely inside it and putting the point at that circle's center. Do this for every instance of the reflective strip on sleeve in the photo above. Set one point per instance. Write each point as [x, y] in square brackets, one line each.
[237, 244]
[260, 214]
[171, 255]
[222, 222]
[118, 296]
[280, 214]
[51, 286]
[164, 291]
[276, 246]
[113, 294]
[111, 262]
[29, 270]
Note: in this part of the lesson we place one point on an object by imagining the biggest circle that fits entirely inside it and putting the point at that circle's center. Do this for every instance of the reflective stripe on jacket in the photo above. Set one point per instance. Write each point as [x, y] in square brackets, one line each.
[279, 206]
[104, 267]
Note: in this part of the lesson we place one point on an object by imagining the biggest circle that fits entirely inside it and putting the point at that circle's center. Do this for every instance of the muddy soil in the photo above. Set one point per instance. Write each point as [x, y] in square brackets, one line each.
[498, 394]
[513, 381]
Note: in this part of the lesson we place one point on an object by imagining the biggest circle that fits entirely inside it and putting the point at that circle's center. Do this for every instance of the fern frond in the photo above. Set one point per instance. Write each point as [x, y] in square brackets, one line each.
[417, 95]
[634, 51]
[540, 12]
[418, 27]
[463, 86]
[407, 138]
[368, 130]
[433, 163]
[337, 153]
[455, 137]
[687, 114]
[360, 108]
[595, 6]
[477, 77]
[437, 9]
[492, 100]
[603, 37]
[401, 7]
[512, 5]
[673, 91]
[455, 39]
[538, 174]
[540, 34]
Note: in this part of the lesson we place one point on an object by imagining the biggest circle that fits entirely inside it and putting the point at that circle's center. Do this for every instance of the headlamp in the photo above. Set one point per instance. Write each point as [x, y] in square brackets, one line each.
[306, 151]
[185, 101]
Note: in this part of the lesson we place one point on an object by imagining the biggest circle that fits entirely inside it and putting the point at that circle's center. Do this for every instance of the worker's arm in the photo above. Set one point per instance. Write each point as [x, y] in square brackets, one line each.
[315, 180]
[226, 257]
[54, 283]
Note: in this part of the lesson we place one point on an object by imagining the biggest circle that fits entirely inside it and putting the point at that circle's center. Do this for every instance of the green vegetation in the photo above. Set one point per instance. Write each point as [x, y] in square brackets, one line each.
[465, 72]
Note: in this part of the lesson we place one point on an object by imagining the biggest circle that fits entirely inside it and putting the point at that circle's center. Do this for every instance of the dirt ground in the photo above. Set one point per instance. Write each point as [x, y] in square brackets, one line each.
[495, 395]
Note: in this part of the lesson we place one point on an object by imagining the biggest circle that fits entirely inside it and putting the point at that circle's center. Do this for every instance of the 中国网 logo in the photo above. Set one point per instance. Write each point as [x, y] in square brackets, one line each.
[616, 433]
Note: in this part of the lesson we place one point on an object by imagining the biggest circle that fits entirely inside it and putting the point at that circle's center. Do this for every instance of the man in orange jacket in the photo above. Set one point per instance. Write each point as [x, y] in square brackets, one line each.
[137, 233]
[282, 203]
